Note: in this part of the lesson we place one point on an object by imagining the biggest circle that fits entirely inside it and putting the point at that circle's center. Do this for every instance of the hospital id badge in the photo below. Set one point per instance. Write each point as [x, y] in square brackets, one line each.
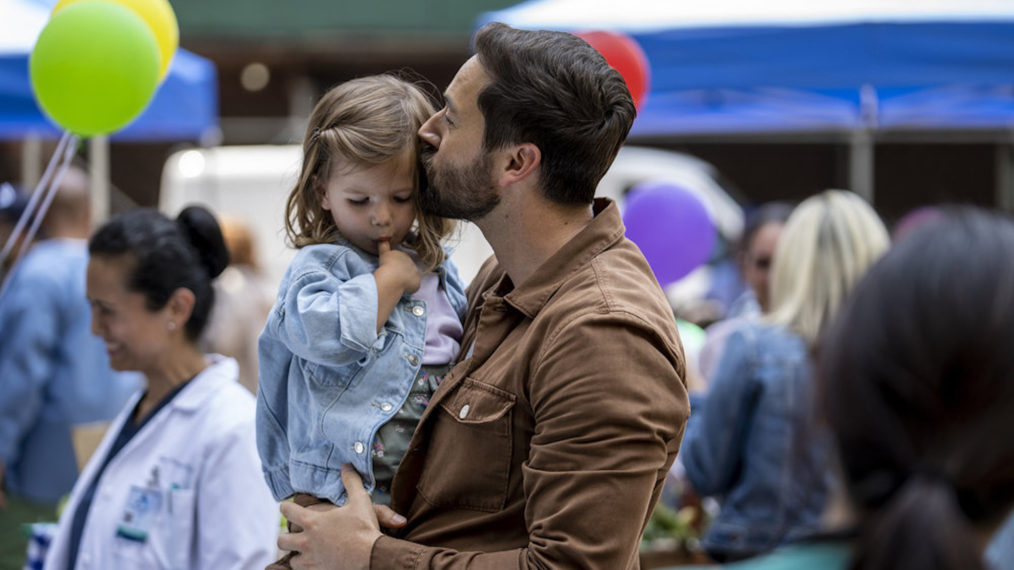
[140, 513]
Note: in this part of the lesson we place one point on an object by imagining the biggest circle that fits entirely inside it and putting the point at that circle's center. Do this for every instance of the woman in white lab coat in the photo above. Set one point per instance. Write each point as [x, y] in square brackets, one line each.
[176, 482]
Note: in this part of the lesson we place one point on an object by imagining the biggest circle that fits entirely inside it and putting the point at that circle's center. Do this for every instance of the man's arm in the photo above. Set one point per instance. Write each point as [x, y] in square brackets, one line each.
[606, 432]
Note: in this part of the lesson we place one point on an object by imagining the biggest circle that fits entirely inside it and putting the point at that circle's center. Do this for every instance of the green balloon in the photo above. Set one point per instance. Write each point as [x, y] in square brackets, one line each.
[95, 67]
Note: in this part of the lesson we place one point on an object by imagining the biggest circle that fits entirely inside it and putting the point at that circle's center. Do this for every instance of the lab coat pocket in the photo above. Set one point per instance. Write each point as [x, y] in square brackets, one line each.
[182, 523]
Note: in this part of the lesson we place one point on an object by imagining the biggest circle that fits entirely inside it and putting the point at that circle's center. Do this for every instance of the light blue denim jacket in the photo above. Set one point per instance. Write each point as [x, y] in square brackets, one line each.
[327, 379]
[754, 443]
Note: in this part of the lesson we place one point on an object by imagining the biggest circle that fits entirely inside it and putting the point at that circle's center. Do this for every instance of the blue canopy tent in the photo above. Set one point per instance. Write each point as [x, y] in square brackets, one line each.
[739, 66]
[855, 68]
[185, 107]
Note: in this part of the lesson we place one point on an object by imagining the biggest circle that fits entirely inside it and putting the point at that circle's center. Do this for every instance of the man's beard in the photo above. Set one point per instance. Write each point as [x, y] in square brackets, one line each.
[464, 193]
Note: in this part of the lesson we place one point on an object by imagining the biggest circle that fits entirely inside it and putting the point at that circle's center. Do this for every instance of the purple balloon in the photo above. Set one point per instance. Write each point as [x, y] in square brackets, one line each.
[672, 228]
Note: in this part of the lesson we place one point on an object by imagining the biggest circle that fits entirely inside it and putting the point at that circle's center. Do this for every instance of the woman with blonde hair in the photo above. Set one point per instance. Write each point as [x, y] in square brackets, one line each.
[744, 440]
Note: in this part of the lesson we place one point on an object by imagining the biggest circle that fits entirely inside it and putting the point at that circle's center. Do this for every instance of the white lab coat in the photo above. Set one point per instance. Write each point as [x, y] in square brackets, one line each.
[198, 456]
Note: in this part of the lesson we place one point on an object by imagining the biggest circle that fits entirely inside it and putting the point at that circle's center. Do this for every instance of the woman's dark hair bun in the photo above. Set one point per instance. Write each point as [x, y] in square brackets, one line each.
[203, 232]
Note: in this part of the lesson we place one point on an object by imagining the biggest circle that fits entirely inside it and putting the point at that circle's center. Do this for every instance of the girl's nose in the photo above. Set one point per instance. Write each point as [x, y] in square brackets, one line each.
[381, 215]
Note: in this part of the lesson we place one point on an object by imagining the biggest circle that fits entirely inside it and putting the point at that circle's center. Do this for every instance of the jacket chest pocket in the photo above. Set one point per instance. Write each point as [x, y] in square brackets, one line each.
[468, 458]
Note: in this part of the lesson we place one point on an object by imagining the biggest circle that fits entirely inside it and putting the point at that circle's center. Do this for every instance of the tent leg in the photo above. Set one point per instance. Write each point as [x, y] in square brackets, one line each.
[1005, 176]
[861, 164]
[98, 162]
[31, 161]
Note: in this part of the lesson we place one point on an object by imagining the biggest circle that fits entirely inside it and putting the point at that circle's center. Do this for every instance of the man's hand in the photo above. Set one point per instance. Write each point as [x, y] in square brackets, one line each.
[340, 538]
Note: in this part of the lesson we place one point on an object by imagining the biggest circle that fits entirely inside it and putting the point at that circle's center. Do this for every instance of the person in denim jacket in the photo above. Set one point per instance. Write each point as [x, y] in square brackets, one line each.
[368, 315]
[745, 439]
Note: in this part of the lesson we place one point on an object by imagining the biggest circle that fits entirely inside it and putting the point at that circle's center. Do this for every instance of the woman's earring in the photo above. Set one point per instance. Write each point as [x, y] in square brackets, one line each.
[171, 326]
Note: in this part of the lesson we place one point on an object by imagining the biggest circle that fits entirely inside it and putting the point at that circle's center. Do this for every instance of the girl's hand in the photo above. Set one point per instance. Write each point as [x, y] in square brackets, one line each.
[396, 276]
[398, 266]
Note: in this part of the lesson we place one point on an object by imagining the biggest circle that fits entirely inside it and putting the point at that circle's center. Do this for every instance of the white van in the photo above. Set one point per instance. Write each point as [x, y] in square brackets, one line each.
[253, 182]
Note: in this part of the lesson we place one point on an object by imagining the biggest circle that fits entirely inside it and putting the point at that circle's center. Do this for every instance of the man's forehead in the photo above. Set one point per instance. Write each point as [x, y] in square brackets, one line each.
[471, 77]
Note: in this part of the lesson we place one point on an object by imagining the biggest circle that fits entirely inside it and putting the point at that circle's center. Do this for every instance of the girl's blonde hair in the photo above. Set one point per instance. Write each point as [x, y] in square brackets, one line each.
[365, 121]
[828, 243]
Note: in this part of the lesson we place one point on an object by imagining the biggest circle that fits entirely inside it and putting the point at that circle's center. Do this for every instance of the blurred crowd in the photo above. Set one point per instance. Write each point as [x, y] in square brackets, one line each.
[849, 396]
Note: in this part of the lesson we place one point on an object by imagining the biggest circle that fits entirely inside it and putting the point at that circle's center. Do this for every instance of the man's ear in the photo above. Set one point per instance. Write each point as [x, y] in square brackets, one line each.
[522, 162]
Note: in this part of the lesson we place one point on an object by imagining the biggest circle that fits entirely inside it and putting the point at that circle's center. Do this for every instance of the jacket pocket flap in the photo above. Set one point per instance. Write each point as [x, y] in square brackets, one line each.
[474, 402]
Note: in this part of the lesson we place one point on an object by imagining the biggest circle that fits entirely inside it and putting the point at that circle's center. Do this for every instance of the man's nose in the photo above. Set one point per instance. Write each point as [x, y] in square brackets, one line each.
[428, 132]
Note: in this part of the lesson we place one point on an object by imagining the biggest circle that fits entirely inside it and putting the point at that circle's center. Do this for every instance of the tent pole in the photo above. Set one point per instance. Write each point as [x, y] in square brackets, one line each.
[98, 162]
[31, 161]
[1005, 175]
[861, 163]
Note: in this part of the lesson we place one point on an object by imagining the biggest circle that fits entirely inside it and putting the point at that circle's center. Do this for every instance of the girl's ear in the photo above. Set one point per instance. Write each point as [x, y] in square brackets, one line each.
[321, 193]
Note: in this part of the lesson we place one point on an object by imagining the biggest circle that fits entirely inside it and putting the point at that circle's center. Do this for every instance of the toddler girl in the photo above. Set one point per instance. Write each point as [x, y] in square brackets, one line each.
[368, 316]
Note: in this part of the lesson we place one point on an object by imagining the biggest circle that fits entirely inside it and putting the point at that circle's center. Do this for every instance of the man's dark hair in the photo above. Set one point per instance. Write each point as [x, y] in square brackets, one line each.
[555, 91]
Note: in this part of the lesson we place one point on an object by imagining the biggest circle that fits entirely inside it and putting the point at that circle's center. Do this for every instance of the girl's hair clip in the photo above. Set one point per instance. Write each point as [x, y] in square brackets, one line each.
[316, 134]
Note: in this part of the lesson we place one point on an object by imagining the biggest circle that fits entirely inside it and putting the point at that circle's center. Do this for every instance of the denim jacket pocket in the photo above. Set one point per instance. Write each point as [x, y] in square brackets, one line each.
[348, 374]
[331, 377]
[476, 418]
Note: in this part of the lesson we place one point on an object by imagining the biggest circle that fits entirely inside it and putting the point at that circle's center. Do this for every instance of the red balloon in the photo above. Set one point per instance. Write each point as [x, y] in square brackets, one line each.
[623, 53]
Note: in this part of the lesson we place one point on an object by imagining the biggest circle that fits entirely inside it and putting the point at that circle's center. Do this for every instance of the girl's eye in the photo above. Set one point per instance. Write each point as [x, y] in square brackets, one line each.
[402, 199]
[360, 202]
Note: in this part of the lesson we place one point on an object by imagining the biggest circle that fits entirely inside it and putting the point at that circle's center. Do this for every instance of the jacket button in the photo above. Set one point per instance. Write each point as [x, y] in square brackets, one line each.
[386, 407]
[418, 310]
[412, 359]
[359, 447]
[464, 412]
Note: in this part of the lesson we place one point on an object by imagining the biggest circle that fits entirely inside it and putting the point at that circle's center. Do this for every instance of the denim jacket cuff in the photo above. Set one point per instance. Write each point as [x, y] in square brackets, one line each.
[358, 300]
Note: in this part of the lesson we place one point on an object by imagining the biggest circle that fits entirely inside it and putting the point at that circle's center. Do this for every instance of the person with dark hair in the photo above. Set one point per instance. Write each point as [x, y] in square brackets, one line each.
[754, 256]
[917, 391]
[915, 386]
[54, 374]
[755, 253]
[176, 481]
[547, 445]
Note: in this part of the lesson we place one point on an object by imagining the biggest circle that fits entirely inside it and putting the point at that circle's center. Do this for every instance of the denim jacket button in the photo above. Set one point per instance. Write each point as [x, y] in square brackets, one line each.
[418, 310]
[386, 407]
[412, 359]
[464, 412]
[360, 447]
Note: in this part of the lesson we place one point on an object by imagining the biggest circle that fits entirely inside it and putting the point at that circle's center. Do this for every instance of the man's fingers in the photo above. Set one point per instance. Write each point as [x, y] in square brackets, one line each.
[387, 517]
[291, 541]
[294, 513]
[354, 484]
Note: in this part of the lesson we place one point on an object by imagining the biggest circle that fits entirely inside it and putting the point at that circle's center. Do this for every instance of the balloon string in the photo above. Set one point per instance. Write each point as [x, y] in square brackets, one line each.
[47, 188]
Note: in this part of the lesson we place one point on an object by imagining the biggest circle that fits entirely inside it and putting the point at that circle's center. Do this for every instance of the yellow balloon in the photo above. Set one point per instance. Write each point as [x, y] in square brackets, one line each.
[159, 16]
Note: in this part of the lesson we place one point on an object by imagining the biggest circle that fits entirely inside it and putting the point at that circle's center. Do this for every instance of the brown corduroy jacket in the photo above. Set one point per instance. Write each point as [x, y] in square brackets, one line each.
[547, 445]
